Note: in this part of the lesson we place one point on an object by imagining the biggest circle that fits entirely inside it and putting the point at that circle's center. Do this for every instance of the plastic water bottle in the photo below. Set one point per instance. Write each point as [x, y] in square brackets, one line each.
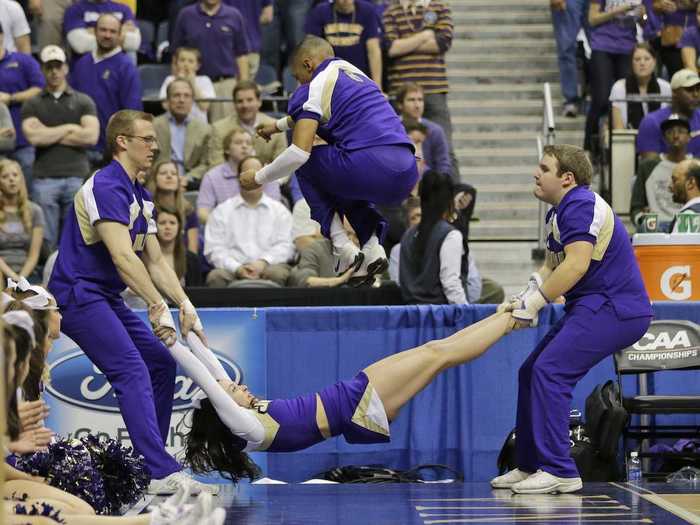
[634, 468]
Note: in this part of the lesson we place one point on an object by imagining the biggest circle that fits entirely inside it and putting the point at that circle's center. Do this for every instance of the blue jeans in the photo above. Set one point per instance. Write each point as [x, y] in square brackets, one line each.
[25, 157]
[55, 196]
[287, 27]
[567, 24]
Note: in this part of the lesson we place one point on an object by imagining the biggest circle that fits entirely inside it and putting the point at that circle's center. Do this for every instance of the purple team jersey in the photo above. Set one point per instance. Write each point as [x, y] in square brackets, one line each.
[613, 274]
[619, 35]
[347, 33]
[690, 38]
[650, 138]
[19, 72]
[351, 110]
[84, 271]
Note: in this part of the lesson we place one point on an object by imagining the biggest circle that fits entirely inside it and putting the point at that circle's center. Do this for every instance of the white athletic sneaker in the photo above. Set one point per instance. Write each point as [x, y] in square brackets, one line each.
[542, 482]
[204, 512]
[169, 485]
[218, 517]
[509, 479]
[374, 263]
[345, 257]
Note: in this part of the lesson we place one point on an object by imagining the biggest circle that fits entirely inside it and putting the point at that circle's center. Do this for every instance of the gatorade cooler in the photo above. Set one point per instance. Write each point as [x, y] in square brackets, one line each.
[670, 265]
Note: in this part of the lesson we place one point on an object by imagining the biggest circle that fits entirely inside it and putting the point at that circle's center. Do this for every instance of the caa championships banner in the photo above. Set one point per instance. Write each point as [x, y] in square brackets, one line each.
[82, 401]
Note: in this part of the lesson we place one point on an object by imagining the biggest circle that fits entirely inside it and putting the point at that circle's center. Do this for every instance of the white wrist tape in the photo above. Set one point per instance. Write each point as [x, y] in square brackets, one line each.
[166, 318]
[287, 163]
[189, 309]
[282, 124]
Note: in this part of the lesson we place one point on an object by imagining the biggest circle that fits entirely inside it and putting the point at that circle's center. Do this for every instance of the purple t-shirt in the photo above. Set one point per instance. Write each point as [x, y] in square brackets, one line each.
[650, 137]
[221, 38]
[436, 151]
[690, 38]
[220, 183]
[613, 274]
[348, 34]
[351, 110]
[616, 36]
[19, 72]
[251, 9]
[83, 14]
[681, 17]
[113, 83]
[84, 271]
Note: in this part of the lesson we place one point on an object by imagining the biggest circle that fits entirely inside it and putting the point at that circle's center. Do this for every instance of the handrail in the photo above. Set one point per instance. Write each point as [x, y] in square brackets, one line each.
[548, 126]
[547, 138]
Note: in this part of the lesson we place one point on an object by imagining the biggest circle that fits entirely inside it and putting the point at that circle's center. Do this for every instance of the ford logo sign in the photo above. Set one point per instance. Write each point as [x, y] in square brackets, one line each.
[77, 381]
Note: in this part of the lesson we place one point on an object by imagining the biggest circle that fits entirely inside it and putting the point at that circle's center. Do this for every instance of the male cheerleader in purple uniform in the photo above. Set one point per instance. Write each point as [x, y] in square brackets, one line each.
[367, 157]
[109, 242]
[590, 261]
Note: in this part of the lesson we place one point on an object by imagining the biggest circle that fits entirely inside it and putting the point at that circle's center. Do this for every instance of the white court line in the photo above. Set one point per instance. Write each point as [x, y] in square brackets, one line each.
[140, 505]
[522, 507]
[509, 498]
[530, 519]
[652, 497]
[636, 515]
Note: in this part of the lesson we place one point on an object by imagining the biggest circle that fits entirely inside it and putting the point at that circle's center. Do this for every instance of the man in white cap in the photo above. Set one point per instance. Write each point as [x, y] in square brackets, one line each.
[685, 86]
[62, 124]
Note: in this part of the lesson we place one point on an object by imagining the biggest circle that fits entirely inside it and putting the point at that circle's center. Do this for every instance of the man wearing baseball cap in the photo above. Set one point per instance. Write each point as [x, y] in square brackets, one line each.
[685, 87]
[62, 124]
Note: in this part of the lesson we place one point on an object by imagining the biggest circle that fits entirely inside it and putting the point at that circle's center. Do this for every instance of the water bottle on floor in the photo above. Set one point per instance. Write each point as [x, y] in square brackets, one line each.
[634, 468]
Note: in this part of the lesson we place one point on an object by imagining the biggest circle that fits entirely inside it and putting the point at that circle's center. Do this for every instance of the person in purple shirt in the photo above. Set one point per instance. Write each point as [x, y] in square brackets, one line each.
[590, 261]
[353, 29]
[366, 158]
[436, 150]
[219, 32]
[108, 75]
[20, 80]
[613, 36]
[79, 26]
[676, 16]
[690, 44]
[685, 88]
[255, 14]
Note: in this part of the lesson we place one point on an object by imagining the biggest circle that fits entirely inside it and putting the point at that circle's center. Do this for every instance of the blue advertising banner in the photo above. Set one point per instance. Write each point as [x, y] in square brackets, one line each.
[82, 401]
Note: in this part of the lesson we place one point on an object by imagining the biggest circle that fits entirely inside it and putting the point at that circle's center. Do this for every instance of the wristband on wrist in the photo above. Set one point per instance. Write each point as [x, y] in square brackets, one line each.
[282, 124]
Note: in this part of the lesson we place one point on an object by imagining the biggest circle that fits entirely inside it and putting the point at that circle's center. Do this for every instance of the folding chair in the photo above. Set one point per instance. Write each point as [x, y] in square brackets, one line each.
[152, 77]
[666, 346]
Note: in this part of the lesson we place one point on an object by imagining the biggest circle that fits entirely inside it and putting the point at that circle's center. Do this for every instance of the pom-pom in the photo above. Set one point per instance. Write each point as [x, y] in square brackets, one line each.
[44, 509]
[101, 472]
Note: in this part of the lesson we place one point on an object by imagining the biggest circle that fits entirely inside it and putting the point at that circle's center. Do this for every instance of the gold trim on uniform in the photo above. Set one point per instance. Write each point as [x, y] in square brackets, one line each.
[343, 34]
[366, 408]
[269, 424]
[87, 230]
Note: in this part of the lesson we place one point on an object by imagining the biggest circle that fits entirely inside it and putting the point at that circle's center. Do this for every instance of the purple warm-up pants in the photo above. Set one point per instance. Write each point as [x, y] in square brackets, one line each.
[350, 183]
[547, 378]
[139, 368]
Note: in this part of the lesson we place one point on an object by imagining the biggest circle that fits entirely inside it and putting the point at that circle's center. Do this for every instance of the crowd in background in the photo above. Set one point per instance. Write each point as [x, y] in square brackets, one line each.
[89, 61]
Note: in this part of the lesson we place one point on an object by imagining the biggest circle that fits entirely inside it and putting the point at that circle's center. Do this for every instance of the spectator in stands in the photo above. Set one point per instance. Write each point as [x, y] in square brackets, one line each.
[650, 190]
[435, 148]
[613, 36]
[20, 80]
[221, 182]
[417, 36]
[7, 132]
[256, 13]
[567, 19]
[15, 27]
[642, 81]
[183, 261]
[247, 102]
[285, 31]
[21, 226]
[187, 61]
[48, 19]
[62, 124]
[434, 265]
[249, 237]
[685, 93]
[305, 230]
[676, 17]
[418, 133]
[690, 43]
[182, 137]
[218, 31]
[316, 267]
[107, 75]
[163, 182]
[685, 187]
[79, 22]
[354, 31]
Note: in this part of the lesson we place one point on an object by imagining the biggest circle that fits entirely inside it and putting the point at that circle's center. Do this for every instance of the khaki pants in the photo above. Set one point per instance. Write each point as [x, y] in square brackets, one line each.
[50, 29]
[221, 278]
[223, 89]
[253, 64]
[491, 292]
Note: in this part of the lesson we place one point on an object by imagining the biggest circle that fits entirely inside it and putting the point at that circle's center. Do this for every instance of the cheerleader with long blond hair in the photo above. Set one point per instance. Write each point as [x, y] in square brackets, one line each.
[21, 224]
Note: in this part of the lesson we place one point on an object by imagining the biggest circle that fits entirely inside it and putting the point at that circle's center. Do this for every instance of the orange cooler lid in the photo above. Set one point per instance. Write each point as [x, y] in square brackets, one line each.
[668, 239]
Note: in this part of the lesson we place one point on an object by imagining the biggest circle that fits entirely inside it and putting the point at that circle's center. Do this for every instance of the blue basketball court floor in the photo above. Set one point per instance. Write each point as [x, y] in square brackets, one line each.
[474, 503]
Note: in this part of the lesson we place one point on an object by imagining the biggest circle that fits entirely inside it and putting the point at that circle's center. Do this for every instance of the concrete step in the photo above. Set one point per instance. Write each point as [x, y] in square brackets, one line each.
[535, 75]
[494, 123]
[506, 45]
[459, 90]
[504, 31]
[504, 229]
[510, 4]
[497, 15]
[496, 106]
[515, 61]
[521, 140]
